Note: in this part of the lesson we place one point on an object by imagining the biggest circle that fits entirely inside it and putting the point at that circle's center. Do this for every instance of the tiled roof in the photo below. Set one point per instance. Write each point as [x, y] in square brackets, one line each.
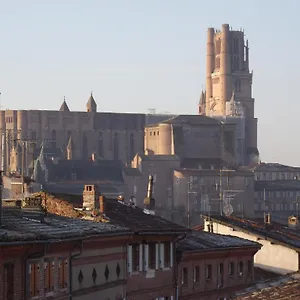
[76, 187]
[275, 232]
[190, 119]
[200, 240]
[278, 185]
[285, 287]
[22, 227]
[86, 170]
[267, 167]
[132, 172]
[132, 217]
[158, 157]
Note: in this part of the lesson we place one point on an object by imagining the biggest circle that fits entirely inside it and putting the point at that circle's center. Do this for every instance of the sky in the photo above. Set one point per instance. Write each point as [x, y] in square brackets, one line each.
[135, 55]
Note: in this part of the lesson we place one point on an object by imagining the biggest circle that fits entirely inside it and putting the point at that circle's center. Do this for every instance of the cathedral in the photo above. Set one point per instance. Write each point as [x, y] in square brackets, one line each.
[79, 135]
[228, 94]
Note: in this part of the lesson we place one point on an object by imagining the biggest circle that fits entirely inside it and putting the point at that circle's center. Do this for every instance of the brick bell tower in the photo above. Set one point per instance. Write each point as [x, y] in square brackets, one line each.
[228, 76]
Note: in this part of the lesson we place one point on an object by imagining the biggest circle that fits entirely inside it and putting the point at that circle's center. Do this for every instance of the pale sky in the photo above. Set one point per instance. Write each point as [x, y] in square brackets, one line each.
[141, 54]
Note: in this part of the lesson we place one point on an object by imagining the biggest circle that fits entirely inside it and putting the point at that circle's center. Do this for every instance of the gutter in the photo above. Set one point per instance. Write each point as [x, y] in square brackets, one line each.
[53, 241]
[71, 271]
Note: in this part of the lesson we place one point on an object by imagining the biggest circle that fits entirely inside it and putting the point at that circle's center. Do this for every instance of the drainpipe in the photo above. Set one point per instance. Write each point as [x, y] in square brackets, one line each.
[71, 272]
[28, 257]
[176, 265]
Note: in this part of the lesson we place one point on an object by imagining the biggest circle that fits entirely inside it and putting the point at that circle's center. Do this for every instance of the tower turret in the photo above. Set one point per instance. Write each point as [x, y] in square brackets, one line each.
[64, 106]
[202, 104]
[91, 105]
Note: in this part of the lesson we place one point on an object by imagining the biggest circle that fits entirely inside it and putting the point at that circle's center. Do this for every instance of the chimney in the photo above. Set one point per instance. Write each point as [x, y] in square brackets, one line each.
[33, 208]
[94, 156]
[149, 202]
[267, 218]
[90, 197]
[101, 204]
[293, 222]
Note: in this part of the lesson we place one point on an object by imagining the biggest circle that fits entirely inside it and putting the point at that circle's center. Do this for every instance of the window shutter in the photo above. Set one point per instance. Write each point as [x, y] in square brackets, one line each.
[51, 276]
[65, 265]
[156, 256]
[162, 255]
[129, 258]
[141, 257]
[146, 257]
[47, 279]
[171, 254]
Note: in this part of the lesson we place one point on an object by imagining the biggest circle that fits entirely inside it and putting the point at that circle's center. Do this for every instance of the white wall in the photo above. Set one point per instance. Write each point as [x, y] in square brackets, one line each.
[271, 257]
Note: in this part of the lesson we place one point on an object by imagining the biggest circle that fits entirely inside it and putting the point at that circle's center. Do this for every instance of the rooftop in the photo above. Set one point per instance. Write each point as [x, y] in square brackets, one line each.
[285, 287]
[205, 241]
[274, 232]
[277, 185]
[267, 167]
[21, 226]
[118, 213]
[189, 119]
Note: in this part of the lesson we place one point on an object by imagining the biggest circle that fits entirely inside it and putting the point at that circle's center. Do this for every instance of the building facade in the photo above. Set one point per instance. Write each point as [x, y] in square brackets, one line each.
[280, 244]
[229, 84]
[117, 136]
[211, 266]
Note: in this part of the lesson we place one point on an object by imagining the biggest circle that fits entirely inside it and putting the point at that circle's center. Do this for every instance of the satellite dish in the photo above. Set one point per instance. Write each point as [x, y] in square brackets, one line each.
[227, 209]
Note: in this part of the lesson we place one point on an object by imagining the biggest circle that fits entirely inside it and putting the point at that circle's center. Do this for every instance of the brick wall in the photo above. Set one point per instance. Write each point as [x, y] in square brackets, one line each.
[213, 287]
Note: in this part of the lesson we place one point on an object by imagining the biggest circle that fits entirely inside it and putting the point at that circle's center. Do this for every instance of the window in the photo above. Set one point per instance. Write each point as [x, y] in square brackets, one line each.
[49, 273]
[33, 135]
[34, 278]
[241, 268]
[221, 273]
[100, 145]
[152, 256]
[208, 272]
[184, 275]
[84, 146]
[53, 138]
[116, 146]
[231, 268]
[131, 147]
[196, 274]
[135, 257]
[8, 278]
[250, 266]
[167, 255]
[62, 273]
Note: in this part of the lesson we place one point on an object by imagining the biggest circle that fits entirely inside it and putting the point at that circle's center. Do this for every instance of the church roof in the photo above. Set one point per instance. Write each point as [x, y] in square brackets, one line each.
[189, 119]
[64, 106]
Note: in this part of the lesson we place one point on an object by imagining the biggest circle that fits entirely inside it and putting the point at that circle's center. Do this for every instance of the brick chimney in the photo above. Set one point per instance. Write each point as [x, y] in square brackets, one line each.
[101, 204]
[90, 197]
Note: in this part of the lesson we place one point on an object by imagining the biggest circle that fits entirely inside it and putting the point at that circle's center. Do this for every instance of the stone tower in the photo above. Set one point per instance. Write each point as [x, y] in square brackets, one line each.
[227, 74]
[91, 105]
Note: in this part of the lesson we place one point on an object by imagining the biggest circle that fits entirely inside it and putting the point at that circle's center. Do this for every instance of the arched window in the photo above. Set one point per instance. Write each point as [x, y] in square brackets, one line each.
[53, 138]
[84, 146]
[100, 145]
[131, 147]
[116, 146]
